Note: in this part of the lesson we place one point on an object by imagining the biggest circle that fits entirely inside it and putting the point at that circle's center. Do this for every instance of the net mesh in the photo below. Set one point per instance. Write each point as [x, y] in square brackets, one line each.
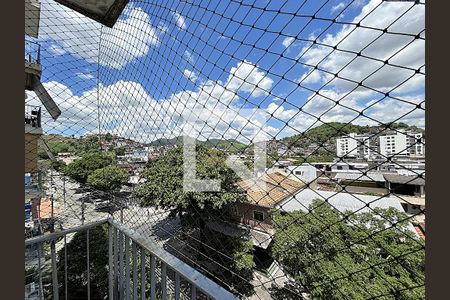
[333, 91]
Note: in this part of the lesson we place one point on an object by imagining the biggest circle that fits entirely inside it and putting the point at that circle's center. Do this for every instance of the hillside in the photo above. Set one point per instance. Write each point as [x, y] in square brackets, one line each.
[328, 132]
[230, 145]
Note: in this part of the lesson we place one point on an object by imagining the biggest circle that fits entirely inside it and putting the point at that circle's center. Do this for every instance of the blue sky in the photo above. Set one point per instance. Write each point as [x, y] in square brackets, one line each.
[213, 59]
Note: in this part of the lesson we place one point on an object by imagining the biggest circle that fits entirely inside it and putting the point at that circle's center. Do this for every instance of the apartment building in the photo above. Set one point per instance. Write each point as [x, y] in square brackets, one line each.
[353, 145]
[403, 144]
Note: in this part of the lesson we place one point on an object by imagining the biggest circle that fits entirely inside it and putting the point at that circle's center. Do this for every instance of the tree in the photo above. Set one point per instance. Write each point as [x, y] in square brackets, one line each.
[119, 151]
[109, 178]
[359, 257]
[80, 169]
[164, 186]
[164, 189]
[77, 265]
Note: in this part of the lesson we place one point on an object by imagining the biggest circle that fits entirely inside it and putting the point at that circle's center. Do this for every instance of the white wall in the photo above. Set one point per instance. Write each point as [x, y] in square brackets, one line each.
[394, 144]
[305, 172]
[347, 146]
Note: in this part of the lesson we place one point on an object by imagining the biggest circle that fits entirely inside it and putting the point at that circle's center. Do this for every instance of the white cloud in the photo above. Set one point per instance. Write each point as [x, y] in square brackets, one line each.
[280, 112]
[288, 41]
[86, 76]
[179, 19]
[78, 113]
[372, 45]
[131, 37]
[127, 109]
[345, 103]
[246, 77]
[191, 75]
[188, 57]
[56, 50]
[337, 7]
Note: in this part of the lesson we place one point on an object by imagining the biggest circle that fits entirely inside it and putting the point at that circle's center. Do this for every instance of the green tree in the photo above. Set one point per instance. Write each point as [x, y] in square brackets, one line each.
[77, 265]
[80, 169]
[109, 178]
[359, 257]
[119, 151]
[164, 186]
[164, 189]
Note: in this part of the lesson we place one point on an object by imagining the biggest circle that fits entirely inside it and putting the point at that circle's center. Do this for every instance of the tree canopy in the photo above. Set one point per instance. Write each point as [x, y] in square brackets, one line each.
[77, 268]
[363, 256]
[164, 185]
[80, 169]
[164, 189]
[109, 178]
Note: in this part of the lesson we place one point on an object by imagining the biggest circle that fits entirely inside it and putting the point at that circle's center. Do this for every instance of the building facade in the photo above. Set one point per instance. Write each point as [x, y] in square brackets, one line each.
[353, 145]
[402, 144]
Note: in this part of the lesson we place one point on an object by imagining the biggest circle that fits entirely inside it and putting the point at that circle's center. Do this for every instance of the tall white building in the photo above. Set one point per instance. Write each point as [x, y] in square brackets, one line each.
[353, 145]
[402, 143]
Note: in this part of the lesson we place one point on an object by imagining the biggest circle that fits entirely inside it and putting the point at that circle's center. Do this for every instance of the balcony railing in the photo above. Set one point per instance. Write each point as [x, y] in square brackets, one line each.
[32, 52]
[137, 267]
[33, 116]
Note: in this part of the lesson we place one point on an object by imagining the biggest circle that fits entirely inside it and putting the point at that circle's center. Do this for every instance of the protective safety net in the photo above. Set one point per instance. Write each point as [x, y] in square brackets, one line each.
[277, 147]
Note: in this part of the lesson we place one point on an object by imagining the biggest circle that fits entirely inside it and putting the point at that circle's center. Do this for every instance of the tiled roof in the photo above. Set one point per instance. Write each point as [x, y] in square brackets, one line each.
[277, 187]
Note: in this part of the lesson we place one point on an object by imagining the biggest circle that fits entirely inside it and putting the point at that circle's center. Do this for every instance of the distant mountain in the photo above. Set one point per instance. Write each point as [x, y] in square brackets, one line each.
[224, 144]
[167, 142]
[231, 145]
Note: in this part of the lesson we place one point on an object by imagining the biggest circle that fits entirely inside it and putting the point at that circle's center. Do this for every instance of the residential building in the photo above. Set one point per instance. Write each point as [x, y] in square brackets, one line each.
[263, 193]
[33, 132]
[305, 172]
[353, 145]
[402, 143]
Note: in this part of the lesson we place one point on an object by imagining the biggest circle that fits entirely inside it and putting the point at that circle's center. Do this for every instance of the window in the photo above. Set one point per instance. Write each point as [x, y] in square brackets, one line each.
[299, 173]
[258, 215]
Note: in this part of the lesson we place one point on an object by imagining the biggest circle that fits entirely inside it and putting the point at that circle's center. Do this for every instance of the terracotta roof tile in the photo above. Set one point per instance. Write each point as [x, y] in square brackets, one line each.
[277, 188]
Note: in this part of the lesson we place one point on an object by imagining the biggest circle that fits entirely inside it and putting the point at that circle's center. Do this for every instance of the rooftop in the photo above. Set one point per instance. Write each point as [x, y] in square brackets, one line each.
[405, 179]
[270, 189]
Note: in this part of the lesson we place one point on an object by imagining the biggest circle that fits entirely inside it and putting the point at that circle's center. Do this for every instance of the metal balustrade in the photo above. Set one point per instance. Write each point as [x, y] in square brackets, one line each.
[32, 52]
[137, 267]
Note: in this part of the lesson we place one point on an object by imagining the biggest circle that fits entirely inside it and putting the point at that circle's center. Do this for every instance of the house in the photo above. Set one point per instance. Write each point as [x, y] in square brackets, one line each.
[66, 157]
[252, 219]
[413, 206]
[305, 172]
[263, 194]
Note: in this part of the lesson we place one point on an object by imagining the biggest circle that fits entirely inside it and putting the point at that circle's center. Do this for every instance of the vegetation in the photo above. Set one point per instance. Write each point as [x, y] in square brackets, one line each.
[164, 185]
[228, 145]
[80, 169]
[164, 189]
[361, 258]
[109, 178]
[58, 143]
[77, 268]
[327, 132]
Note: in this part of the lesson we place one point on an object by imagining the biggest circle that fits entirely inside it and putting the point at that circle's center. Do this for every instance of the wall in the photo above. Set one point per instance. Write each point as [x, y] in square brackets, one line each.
[31, 144]
[245, 216]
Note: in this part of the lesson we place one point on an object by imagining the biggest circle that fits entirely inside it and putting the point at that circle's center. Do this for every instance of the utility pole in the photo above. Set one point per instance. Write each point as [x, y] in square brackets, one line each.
[82, 212]
[52, 214]
[64, 189]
